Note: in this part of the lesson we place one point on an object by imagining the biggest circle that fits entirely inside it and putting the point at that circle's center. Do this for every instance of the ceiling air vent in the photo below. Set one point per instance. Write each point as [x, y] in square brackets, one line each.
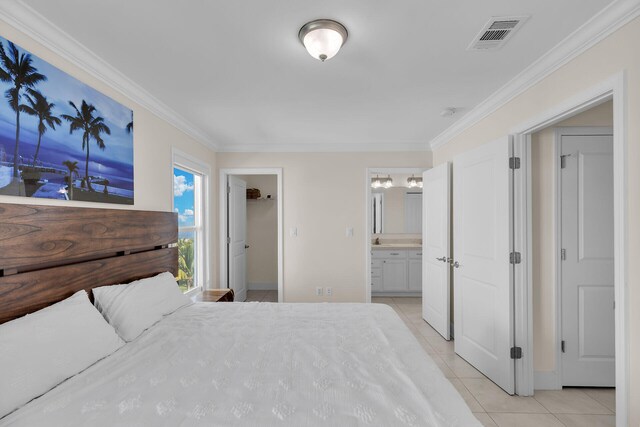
[496, 32]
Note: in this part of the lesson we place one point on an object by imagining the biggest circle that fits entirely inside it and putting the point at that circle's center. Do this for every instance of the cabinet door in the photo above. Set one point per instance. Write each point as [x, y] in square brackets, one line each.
[394, 274]
[376, 284]
[415, 275]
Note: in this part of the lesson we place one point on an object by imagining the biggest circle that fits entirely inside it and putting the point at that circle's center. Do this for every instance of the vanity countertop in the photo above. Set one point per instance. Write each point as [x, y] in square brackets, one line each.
[397, 246]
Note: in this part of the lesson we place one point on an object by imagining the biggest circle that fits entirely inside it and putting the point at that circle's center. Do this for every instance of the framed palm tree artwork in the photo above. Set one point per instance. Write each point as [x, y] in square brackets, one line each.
[59, 138]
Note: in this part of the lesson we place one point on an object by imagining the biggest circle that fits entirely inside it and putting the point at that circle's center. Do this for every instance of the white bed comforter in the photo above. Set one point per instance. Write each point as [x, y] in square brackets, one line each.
[260, 364]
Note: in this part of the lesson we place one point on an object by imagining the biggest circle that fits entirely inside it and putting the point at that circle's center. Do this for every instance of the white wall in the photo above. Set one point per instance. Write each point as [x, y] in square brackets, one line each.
[543, 229]
[607, 58]
[152, 142]
[323, 194]
[262, 233]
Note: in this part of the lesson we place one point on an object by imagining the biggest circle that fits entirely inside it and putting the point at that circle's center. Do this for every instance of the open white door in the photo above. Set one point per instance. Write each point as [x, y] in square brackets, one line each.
[483, 292]
[586, 263]
[237, 229]
[436, 232]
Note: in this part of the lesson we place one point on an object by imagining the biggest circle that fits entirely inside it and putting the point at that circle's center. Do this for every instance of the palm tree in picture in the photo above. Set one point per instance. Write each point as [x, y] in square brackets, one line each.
[18, 70]
[92, 127]
[129, 127]
[73, 170]
[39, 106]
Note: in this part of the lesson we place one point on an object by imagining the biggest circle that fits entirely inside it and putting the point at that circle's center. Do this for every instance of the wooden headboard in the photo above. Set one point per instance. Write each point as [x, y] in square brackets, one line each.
[47, 253]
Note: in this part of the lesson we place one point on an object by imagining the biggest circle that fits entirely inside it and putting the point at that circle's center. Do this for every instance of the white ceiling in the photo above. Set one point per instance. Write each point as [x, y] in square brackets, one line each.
[237, 72]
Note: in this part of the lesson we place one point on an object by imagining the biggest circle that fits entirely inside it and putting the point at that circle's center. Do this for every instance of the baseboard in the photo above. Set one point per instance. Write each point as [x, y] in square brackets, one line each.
[262, 286]
[546, 380]
[396, 294]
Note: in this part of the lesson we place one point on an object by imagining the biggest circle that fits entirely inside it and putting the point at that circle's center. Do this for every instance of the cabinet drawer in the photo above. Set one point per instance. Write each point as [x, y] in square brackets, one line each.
[376, 272]
[376, 263]
[415, 254]
[390, 254]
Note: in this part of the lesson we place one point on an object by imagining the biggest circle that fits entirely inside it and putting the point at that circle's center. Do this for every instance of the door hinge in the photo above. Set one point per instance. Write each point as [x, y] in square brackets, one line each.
[563, 254]
[514, 162]
[228, 240]
[516, 352]
[562, 346]
[563, 160]
[228, 189]
[515, 258]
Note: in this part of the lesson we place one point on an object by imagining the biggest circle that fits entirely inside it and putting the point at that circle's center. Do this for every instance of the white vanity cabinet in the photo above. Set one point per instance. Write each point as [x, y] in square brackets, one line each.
[396, 271]
[394, 275]
[415, 270]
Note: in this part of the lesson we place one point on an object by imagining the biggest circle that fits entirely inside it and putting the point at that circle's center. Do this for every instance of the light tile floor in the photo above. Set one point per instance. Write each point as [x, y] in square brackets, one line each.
[262, 296]
[492, 406]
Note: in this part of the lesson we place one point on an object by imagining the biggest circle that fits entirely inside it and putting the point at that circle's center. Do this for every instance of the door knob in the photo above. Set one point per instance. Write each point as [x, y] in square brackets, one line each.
[443, 259]
[456, 264]
[246, 246]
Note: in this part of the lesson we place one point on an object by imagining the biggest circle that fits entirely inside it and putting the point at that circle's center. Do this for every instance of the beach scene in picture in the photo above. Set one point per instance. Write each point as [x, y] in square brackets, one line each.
[59, 138]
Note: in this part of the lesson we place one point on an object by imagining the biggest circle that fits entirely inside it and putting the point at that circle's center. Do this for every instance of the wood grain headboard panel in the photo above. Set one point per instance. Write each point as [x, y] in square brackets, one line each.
[47, 252]
[25, 293]
[40, 236]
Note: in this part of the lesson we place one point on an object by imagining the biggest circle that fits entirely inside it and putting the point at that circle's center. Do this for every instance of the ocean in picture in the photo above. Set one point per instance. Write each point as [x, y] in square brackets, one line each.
[59, 138]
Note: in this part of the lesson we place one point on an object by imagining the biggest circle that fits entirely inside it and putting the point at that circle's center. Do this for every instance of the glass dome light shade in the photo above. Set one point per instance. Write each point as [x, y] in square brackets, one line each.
[323, 38]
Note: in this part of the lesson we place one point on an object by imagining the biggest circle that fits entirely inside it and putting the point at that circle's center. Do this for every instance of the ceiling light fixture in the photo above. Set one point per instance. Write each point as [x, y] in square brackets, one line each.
[323, 38]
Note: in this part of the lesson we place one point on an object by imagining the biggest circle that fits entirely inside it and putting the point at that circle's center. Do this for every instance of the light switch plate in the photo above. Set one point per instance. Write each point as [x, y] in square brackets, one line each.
[293, 232]
[349, 232]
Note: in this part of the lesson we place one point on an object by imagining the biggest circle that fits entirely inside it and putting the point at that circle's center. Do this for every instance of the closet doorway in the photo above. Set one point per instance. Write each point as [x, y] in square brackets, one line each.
[251, 233]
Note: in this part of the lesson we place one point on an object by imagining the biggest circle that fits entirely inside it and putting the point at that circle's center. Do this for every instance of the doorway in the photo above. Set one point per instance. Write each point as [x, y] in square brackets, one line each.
[393, 249]
[251, 257]
[612, 90]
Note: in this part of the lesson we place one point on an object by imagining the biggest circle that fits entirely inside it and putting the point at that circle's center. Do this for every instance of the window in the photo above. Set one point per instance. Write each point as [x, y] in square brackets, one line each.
[189, 188]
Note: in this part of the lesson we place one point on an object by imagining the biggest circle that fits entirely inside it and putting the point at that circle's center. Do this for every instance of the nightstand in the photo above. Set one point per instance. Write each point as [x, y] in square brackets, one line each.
[216, 295]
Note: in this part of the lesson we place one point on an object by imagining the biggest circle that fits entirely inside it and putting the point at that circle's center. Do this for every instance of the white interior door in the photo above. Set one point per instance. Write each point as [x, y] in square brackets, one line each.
[237, 229]
[436, 232]
[483, 295]
[587, 270]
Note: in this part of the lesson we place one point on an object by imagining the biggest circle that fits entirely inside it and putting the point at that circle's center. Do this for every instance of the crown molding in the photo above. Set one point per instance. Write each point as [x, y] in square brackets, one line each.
[28, 21]
[324, 147]
[600, 26]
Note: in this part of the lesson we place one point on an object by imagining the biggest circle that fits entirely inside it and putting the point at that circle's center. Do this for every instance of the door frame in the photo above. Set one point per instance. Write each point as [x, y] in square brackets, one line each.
[369, 173]
[614, 88]
[557, 187]
[223, 180]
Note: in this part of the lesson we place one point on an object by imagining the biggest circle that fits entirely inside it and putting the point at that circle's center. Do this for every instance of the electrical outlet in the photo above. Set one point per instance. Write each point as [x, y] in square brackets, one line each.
[329, 292]
[318, 291]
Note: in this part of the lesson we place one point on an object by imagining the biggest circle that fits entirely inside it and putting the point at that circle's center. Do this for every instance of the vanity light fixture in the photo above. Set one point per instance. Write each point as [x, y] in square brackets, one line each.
[414, 182]
[378, 182]
[323, 38]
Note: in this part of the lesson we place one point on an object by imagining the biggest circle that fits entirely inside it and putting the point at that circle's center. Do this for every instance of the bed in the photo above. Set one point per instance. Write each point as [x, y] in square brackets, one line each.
[248, 364]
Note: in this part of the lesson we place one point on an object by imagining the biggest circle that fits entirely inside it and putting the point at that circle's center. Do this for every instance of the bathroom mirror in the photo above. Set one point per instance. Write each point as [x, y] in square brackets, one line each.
[396, 210]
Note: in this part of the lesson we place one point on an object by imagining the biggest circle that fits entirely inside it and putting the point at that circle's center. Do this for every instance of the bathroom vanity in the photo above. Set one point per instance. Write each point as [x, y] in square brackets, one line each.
[396, 270]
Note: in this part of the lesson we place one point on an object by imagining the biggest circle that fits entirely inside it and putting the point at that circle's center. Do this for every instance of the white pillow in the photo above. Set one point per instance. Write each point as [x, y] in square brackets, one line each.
[135, 307]
[42, 349]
